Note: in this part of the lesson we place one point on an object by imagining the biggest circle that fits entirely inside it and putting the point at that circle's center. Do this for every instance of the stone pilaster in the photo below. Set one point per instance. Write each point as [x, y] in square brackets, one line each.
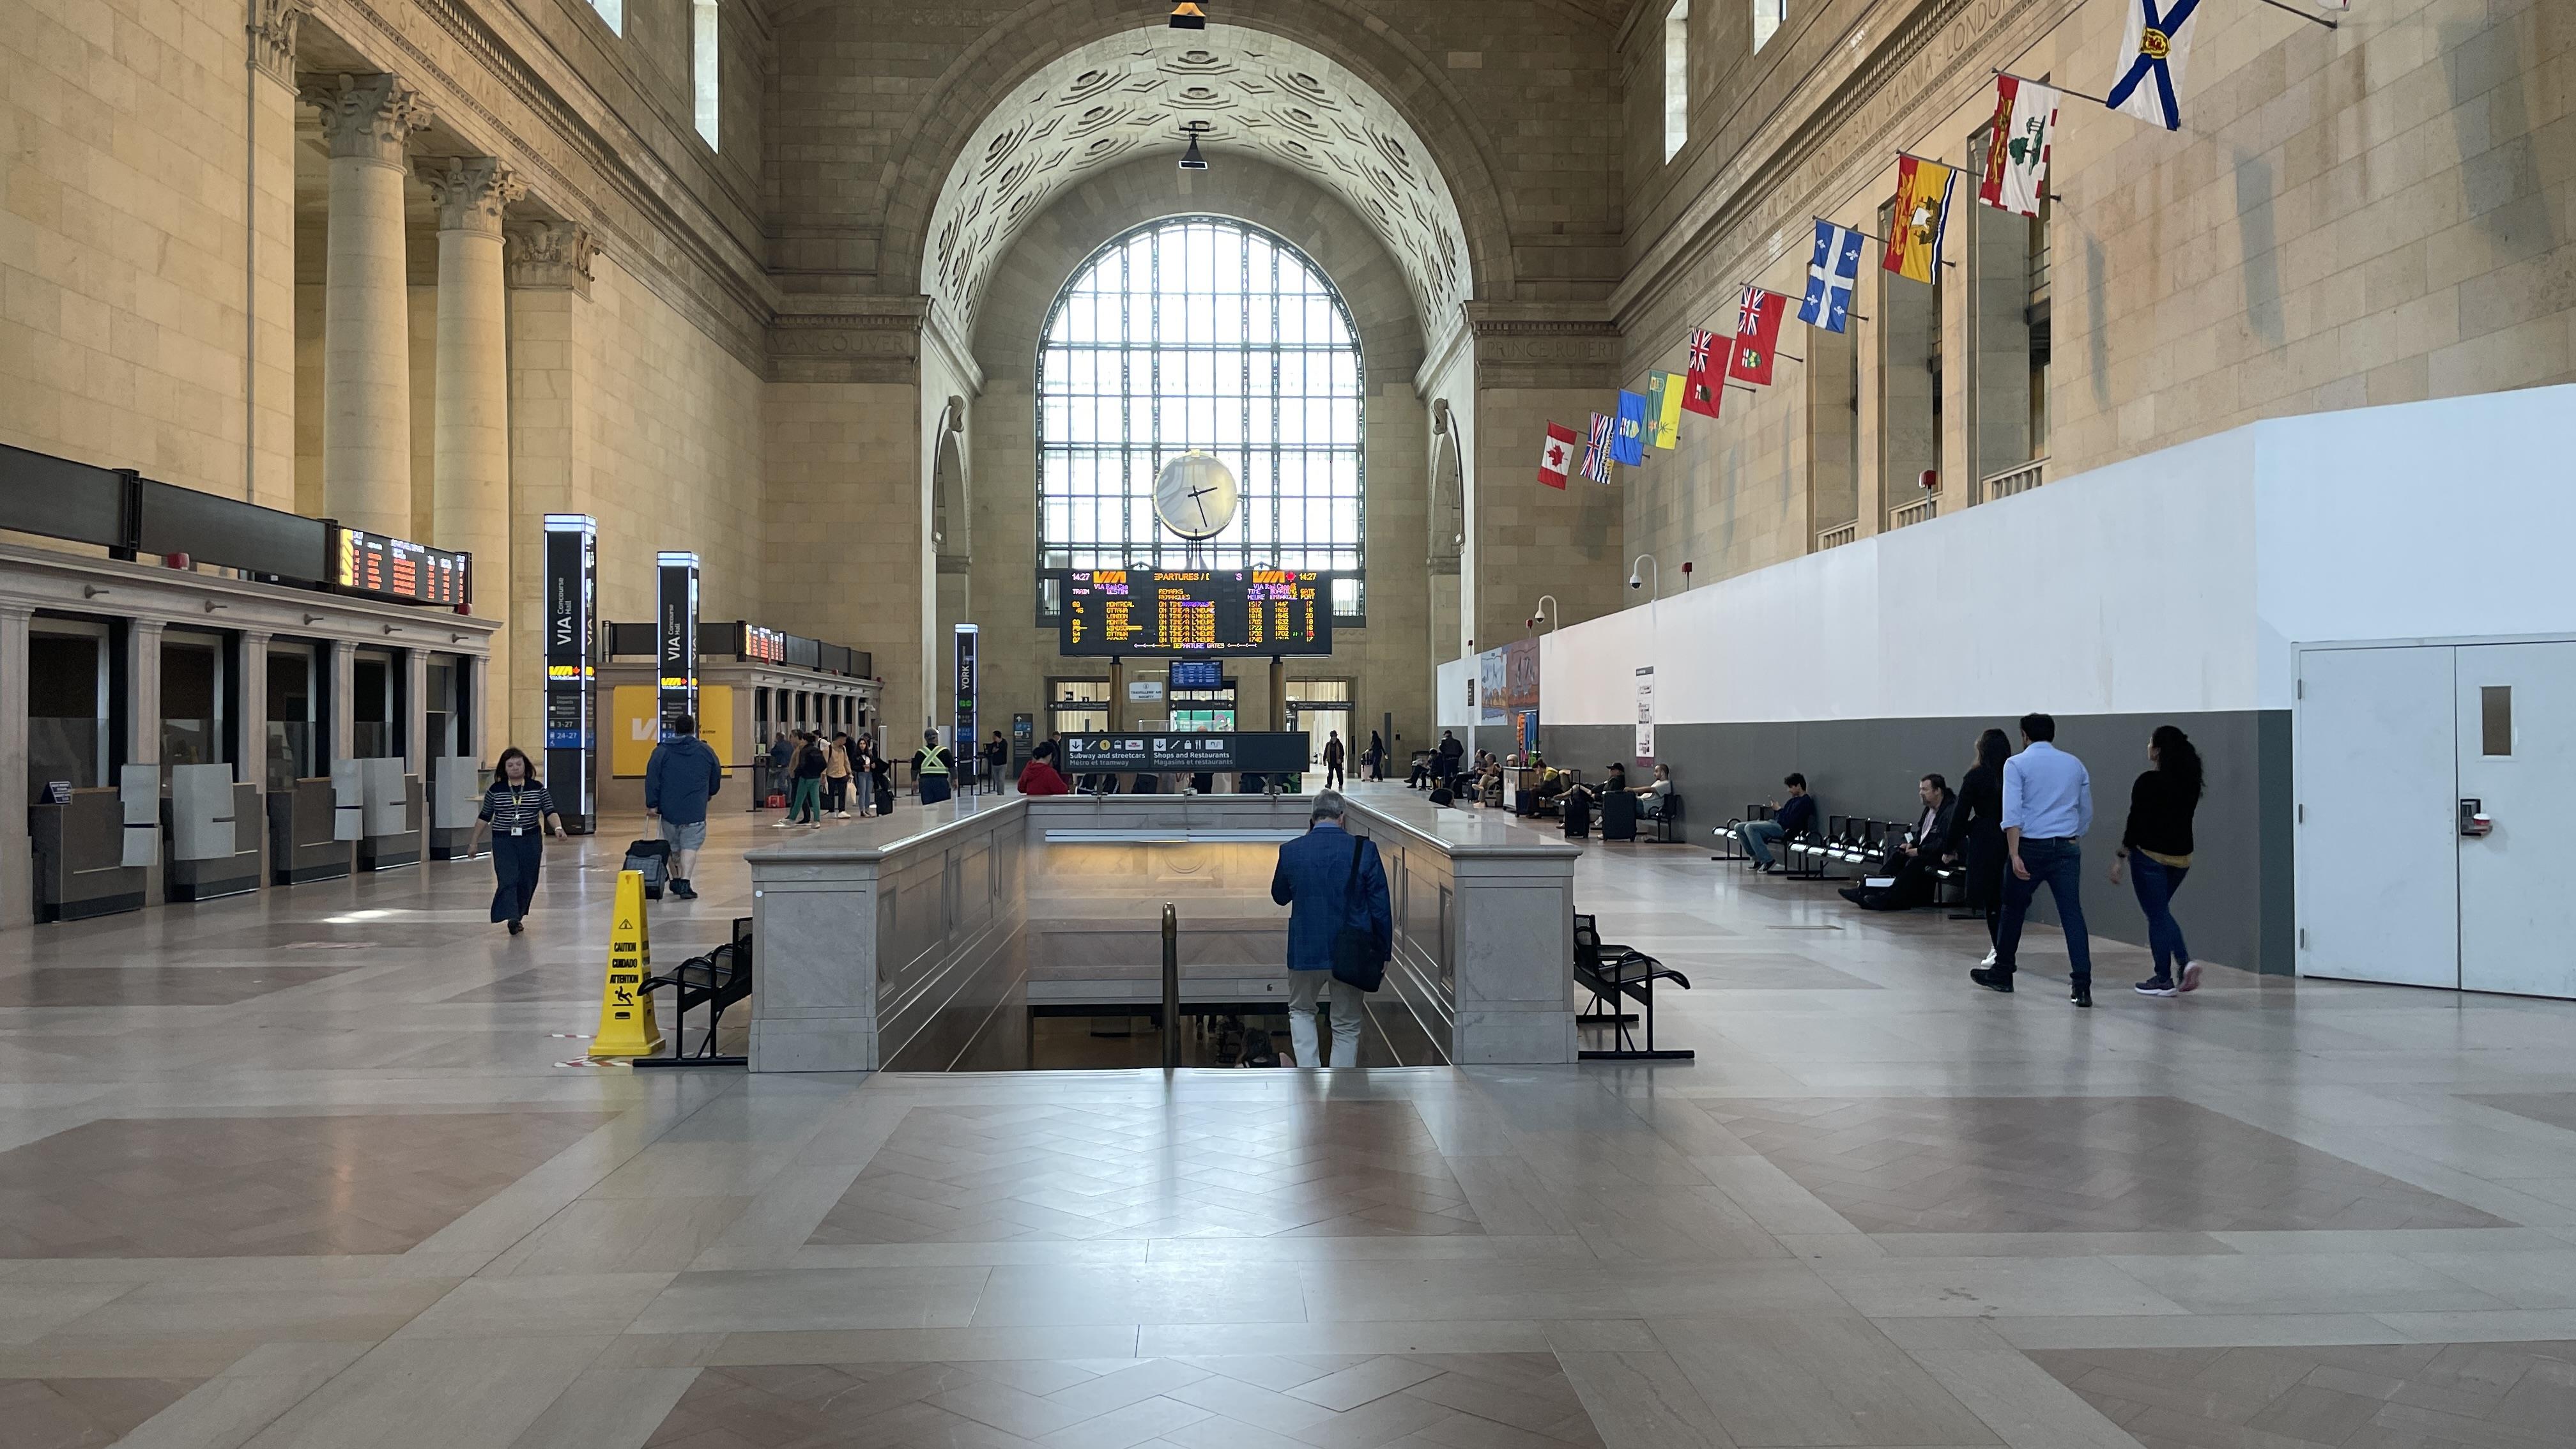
[553, 337]
[550, 256]
[143, 724]
[273, 28]
[366, 351]
[17, 852]
[470, 435]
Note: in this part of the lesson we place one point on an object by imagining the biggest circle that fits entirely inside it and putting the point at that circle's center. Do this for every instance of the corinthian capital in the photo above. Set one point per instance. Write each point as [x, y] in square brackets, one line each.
[272, 37]
[549, 255]
[470, 192]
[368, 116]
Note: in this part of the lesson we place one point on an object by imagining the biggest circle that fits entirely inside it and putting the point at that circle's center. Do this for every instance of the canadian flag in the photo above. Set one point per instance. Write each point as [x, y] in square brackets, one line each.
[1557, 458]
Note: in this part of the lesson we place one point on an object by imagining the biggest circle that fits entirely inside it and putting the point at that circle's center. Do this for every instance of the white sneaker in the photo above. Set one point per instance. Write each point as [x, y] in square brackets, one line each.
[778, 825]
[1990, 959]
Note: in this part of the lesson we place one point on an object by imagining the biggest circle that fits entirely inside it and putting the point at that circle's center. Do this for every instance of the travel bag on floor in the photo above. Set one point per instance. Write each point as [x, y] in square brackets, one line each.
[652, 860]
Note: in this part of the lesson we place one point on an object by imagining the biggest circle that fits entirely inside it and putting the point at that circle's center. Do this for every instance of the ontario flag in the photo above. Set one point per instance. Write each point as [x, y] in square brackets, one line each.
[1757, 335]
[1705, 383]
[1556, 459]
[2017, 153]
[1596, 452]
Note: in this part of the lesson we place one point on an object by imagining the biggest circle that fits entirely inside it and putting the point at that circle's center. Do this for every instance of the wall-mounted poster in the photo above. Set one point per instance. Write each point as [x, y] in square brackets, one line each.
[1646, 715]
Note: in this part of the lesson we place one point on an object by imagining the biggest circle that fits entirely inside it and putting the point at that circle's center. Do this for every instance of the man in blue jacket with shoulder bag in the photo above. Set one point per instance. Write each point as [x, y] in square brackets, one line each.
[1340, 930]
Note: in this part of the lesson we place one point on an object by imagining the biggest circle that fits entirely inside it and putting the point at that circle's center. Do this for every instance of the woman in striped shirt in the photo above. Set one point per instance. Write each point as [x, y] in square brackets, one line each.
[519, 810]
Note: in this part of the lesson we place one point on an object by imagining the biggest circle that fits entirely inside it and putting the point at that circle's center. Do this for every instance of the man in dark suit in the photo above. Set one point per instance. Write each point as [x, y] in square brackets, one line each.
[1315, 880]
[1914, 863]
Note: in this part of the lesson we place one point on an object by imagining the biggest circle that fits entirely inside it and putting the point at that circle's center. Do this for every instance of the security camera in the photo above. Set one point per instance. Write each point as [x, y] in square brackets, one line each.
[1635, 582]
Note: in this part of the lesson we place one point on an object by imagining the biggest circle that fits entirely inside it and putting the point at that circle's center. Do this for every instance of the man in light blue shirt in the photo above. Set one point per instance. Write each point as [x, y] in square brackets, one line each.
[2048, 805]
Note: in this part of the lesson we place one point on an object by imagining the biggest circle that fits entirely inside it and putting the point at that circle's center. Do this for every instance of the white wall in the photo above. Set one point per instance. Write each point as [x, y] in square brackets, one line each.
[2173, 582]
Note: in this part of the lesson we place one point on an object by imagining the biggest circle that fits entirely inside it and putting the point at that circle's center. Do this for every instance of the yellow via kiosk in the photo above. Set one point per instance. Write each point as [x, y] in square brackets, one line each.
[626, 1024]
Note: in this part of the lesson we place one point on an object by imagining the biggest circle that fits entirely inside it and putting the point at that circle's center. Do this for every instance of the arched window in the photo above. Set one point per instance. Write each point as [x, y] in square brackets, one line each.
[1209, 334]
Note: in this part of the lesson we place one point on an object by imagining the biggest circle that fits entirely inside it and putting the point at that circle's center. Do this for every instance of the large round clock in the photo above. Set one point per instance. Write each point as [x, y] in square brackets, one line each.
[1195, 496]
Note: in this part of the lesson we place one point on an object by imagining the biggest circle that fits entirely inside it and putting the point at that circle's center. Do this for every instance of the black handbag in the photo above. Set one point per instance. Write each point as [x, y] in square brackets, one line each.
[1355, 958]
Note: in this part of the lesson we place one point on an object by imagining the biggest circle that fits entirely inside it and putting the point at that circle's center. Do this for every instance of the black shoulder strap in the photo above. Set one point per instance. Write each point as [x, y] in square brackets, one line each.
[1358, 843]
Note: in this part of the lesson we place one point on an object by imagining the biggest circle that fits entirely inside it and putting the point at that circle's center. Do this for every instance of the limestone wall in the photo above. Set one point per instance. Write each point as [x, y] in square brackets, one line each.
[2374, 214]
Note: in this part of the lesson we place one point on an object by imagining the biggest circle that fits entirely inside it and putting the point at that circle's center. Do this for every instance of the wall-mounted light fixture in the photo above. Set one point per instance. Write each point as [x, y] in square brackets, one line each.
[1191, 160]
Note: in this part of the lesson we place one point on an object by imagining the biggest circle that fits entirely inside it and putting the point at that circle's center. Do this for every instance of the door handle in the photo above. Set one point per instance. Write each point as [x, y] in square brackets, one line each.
[2474, 821]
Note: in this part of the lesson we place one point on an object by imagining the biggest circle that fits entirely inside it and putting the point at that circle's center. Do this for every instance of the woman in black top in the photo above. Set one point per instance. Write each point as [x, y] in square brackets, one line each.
[1980, 829]
[520, 811]
[2156, 847]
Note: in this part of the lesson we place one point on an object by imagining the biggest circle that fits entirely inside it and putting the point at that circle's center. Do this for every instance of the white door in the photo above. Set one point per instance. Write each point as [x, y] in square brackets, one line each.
[2517, 758]
[2375, 771]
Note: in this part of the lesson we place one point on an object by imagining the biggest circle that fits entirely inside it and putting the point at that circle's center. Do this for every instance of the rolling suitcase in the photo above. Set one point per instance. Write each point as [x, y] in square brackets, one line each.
[651, 859]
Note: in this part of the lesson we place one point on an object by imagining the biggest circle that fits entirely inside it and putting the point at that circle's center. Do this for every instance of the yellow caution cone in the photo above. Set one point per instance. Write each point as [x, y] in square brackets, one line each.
[626, 1024]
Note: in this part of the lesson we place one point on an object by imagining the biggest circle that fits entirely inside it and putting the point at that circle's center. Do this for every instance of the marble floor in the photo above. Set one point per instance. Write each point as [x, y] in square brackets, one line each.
[326, 1167]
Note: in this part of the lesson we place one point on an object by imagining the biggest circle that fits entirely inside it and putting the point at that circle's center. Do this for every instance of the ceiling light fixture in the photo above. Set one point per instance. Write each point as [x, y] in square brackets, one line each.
[1191, 160]
[1189, 15]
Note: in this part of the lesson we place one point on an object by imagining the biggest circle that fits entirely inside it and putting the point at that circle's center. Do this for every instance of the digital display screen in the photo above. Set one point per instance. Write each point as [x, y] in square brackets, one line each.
[1275, 753]
[1197, 674]
[1196, 612]
[396, 568]
[764, 646]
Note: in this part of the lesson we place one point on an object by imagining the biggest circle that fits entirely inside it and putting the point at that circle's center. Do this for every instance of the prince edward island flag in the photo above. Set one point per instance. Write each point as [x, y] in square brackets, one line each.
[1831, 275]
[2152, 52]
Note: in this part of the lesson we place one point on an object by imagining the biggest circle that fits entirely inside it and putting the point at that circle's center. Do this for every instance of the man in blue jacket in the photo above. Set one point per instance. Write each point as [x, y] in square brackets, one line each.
[679, 780]
[1315, 880]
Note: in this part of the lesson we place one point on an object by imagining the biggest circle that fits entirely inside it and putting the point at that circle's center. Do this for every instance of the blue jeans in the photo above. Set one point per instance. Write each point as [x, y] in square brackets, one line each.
[2059, 864]
[1757, 836]
[2156, 883]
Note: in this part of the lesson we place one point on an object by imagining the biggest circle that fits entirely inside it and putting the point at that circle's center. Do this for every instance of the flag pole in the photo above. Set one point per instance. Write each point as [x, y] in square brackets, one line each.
[1882, 241]
[2325, 20]
[2052, 85]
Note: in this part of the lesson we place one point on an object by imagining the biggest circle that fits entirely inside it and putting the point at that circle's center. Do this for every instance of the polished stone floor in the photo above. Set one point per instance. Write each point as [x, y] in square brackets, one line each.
[326, 1168]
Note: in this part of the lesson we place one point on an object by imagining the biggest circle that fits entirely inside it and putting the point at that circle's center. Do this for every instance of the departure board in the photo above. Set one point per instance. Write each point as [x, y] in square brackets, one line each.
[396, 568]
[1197, 612]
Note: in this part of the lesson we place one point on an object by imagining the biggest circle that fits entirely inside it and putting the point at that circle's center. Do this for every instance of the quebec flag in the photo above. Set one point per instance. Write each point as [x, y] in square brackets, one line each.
[1830, 277]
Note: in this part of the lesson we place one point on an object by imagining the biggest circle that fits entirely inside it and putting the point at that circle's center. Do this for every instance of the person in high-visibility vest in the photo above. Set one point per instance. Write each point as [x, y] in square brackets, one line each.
[930, 767]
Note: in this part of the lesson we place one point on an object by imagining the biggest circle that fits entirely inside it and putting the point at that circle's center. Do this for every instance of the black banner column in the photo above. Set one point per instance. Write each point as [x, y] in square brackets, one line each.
[571, 598]
[676, 622]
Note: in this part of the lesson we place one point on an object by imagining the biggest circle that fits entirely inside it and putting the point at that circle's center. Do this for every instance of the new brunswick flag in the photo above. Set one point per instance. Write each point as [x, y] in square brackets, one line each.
[1922, 216]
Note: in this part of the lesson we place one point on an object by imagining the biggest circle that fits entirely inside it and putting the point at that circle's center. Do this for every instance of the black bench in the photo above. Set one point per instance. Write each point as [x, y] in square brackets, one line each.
[1616, 975]
[715, 981]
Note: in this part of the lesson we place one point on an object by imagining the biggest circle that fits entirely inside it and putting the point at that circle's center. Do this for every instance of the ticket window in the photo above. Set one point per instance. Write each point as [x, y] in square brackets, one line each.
[1077, 707]
[447, 684]
[375, 706]
[294, 749]
[71, 739]
[195, 719]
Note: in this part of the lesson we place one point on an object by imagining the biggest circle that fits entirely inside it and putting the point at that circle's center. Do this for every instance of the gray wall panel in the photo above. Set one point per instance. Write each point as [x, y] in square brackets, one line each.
[2235, 908]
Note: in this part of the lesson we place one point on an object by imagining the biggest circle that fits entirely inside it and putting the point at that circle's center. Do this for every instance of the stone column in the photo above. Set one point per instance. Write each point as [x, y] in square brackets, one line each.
[143, 725]
[269, 363]
[17, 851]
[471, 430]
[339, 665]
[366, 349]
[250, 760]
[547, 265]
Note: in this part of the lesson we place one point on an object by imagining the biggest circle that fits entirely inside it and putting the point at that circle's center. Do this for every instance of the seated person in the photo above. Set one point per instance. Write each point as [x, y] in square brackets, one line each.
[1040, 777]
[1790, 818]
[1421, 771]
[1650, 800]
[1915, 862]
[1577, 805]
[1614, 776]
